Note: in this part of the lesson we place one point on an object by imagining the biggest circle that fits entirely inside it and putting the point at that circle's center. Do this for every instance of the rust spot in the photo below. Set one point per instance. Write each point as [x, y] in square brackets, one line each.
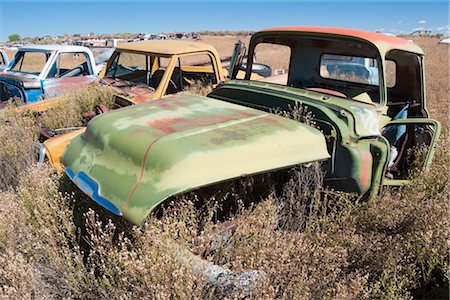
[57, 87]
[229, 135]
[172, 103]
[171, 125]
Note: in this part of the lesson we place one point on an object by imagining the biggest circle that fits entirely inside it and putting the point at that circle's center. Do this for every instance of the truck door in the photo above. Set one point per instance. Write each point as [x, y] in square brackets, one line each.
[412, 146]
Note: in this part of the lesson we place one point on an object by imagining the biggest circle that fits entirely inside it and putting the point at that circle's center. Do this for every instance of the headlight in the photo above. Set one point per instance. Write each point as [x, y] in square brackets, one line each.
[39, 152]
[32, 84]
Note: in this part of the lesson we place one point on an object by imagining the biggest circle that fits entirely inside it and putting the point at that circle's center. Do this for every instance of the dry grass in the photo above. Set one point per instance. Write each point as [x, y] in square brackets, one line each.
[199, 88]
[52, 246]
[72, 105]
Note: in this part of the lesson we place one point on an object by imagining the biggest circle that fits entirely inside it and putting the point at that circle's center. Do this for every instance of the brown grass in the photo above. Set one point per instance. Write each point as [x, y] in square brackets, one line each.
[53, 246]
[72, 105]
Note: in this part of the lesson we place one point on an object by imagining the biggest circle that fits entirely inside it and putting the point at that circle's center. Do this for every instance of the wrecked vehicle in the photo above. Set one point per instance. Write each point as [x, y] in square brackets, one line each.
[43, 71]
[4, 61]
[366, 133]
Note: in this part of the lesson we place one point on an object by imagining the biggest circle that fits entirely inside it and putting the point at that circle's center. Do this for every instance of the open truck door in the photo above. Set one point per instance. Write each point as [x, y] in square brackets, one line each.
[412, 146]
[236, 59]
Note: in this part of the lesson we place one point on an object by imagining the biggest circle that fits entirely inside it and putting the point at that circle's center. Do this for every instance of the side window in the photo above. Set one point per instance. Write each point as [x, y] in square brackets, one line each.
[391, 73]
[2, 62]
[69, 65]
[194, 73]
[265, 65]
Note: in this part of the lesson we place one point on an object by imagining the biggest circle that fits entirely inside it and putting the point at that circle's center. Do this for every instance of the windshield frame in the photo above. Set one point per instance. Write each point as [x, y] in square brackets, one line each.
[268, 36]
[162, 86]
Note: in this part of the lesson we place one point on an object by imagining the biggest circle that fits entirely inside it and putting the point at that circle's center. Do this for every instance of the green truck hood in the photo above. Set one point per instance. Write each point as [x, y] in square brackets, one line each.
[132, 159]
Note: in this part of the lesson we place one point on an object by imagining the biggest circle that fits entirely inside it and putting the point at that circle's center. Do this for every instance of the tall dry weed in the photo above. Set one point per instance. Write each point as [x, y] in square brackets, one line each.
[69, 111]
[17, 135]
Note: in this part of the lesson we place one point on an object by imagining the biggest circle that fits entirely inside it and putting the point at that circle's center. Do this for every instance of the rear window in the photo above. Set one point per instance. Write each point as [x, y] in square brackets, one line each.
[349, 68]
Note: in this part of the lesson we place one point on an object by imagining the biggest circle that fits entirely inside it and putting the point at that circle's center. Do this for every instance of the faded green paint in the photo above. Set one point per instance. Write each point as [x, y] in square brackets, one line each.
[141, 155]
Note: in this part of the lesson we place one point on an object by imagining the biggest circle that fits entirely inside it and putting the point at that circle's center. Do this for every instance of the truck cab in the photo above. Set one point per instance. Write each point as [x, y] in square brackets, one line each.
[365, 92]
[43, 71]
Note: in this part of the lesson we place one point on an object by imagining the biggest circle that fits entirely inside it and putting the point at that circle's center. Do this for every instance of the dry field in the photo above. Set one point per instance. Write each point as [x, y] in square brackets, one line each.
[54, 246]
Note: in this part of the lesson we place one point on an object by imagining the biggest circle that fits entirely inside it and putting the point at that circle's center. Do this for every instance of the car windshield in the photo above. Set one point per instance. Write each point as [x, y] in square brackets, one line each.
[30, 61]
[137, 68]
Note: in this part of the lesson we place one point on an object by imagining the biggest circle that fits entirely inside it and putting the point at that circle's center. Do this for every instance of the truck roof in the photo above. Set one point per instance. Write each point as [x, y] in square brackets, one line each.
[167, 47]
[383, 42]
[61, 48]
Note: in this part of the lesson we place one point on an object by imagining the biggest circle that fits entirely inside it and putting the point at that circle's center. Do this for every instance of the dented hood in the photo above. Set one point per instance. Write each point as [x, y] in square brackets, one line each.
[132, 159]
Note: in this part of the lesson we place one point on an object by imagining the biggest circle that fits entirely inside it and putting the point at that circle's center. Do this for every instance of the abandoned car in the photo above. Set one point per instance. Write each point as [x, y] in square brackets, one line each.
[366, 132]
[43, 71]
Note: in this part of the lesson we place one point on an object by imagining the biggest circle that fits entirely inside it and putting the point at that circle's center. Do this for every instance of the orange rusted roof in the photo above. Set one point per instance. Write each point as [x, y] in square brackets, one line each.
[383, 42]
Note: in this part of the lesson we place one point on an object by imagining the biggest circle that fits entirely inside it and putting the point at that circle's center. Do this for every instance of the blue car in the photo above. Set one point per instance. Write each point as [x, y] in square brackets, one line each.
[44, 71]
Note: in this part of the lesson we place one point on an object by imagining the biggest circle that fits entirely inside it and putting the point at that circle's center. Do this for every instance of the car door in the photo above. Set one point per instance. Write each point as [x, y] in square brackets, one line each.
[412, 146]
[69, 72]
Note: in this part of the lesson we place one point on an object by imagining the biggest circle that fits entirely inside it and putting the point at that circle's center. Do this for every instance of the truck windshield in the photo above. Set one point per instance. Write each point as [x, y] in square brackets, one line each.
[137, 68]
[30, 62]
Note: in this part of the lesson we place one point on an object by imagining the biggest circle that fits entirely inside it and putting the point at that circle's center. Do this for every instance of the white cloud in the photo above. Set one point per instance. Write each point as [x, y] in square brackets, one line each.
[445, 30]
[421, 22]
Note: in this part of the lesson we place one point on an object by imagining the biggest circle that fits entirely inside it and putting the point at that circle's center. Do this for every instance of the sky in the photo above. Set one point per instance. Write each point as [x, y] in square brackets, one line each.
[39, 18]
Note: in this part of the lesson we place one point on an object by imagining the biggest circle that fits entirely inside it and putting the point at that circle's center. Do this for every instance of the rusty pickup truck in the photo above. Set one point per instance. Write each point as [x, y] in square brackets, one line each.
[367, 131]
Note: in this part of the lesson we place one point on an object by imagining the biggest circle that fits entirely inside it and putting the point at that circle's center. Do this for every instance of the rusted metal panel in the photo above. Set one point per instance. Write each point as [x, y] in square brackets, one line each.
[58, 86]
[135, 93]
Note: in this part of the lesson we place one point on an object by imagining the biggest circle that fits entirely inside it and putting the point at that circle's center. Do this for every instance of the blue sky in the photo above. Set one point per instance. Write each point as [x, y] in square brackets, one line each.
[38, 18]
